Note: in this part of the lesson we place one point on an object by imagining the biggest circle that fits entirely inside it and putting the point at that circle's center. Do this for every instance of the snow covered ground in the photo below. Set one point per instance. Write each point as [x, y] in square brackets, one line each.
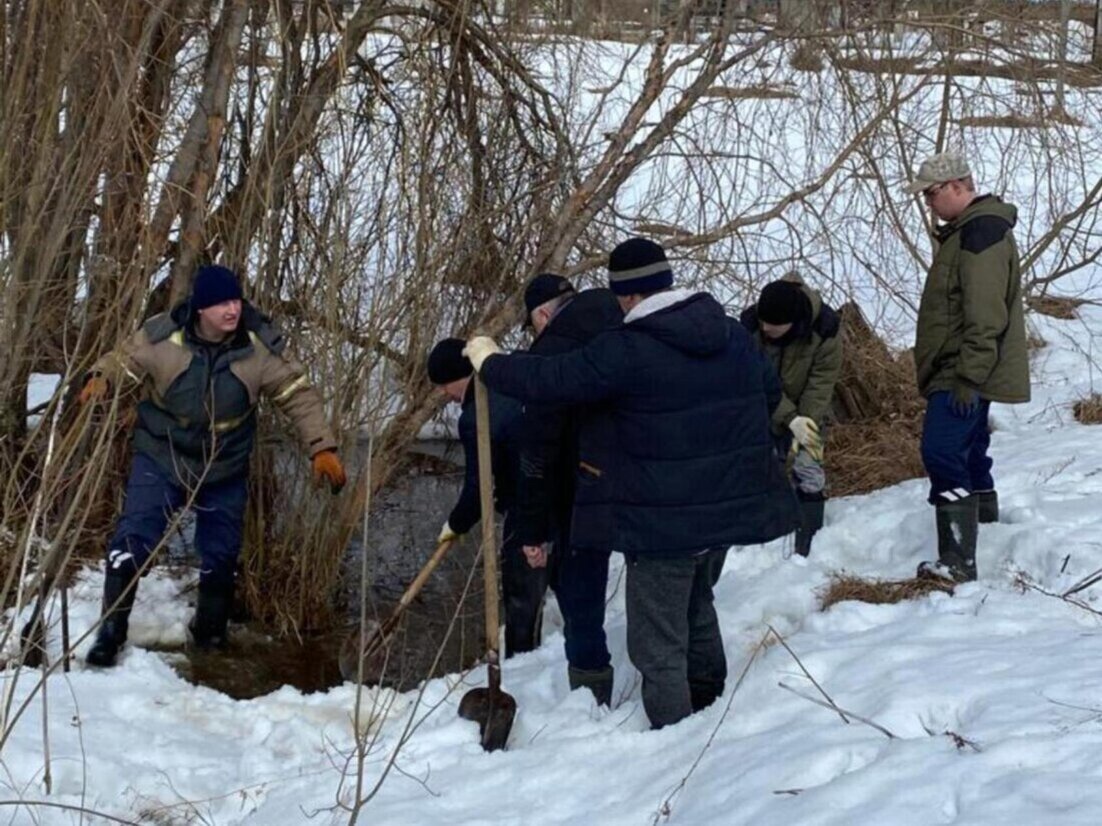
[991, 695]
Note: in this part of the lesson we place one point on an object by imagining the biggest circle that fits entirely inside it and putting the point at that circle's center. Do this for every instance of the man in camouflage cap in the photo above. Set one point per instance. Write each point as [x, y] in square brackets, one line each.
[970, 350]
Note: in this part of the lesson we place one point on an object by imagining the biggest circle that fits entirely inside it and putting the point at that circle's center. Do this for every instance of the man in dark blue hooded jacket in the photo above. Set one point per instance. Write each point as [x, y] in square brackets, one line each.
[564, 320]
[676, 463]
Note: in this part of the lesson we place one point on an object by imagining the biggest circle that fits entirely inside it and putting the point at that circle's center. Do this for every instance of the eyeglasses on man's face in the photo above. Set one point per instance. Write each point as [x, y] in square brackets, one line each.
[932, 192]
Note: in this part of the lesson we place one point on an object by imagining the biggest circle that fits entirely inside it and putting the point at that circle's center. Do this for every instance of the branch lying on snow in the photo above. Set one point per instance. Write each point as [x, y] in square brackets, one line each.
[841, 712]
[807, 673]
[1023, 581]
[1085, 583]
[959, 740]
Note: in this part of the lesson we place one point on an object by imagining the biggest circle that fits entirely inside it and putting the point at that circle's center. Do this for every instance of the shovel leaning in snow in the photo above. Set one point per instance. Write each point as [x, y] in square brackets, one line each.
[376, 646]
[492, 708]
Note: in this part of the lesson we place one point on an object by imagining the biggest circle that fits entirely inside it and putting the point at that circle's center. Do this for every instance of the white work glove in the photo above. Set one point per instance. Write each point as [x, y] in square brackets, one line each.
[807, 434]
[447, 534]
[479, 349]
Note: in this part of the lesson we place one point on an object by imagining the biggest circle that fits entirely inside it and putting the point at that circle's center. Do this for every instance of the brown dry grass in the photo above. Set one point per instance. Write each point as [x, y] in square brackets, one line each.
[846, 587]
[1089, 410]
[1057, 306]
[867, 456]
[762, 92]
[878, 414]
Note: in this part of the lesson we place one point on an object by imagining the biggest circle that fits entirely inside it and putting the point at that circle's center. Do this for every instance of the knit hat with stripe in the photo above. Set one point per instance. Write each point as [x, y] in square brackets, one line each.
[638, 266]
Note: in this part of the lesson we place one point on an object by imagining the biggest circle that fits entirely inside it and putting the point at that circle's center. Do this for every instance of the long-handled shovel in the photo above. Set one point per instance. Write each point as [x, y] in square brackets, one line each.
[376, 647]
[492, 708]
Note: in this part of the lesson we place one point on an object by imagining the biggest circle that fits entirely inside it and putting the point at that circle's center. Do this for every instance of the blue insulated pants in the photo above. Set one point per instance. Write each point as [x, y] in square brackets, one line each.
[153, 496]
[954, 449]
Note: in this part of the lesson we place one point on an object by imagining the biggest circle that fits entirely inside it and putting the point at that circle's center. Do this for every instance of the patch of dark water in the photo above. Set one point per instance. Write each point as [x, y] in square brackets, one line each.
[256, 664]
[441, 632]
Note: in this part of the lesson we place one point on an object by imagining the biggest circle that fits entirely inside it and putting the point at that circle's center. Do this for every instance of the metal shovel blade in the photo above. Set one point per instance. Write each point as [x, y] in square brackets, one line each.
[493, 709]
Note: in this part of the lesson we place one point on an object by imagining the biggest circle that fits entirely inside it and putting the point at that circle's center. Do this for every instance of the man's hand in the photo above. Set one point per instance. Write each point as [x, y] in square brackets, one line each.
[479, 349]
[806, 433]
[963, 400]
[447, 534]
[94, 390]
[536, 555]
[328, 468]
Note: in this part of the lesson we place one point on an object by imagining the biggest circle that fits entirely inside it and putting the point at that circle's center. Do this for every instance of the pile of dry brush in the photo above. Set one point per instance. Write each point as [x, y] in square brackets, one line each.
[877, 410]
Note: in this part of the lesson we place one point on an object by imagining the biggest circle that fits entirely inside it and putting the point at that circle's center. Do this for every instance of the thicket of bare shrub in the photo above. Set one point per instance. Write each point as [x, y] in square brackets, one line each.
[385, 175]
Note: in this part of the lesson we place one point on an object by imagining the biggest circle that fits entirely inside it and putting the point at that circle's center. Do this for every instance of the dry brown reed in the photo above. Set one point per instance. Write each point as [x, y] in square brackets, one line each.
[1088, 410]
[1010, 121]
[761, 92]
[878, 413]
[1057, 306]
[844, 587]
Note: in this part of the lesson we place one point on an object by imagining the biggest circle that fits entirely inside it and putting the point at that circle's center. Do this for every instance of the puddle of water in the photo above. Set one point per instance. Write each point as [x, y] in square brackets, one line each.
[255, 664]
[441, 631]
[436, 636]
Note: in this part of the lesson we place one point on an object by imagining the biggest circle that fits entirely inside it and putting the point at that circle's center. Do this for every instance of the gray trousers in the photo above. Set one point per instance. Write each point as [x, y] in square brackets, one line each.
[673, 633]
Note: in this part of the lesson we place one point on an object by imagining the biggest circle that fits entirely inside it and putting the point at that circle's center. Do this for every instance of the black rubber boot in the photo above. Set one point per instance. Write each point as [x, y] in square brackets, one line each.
[112, 632]
[598, 681]
[207, 629]
[811, 519]
[988, 506]
[957, 526]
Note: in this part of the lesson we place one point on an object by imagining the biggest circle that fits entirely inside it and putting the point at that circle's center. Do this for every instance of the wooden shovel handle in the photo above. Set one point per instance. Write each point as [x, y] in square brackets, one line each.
[423, 575]
[486, 499]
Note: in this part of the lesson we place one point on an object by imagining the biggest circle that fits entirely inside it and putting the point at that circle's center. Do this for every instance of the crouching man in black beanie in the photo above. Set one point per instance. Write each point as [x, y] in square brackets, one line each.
[523, 586]
[676, 463]
[799, 334]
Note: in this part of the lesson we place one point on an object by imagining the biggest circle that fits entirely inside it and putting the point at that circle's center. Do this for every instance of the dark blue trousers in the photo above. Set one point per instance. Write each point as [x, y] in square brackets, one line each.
[153, 496]
[523, 588]
[581, 578]
[954, 449]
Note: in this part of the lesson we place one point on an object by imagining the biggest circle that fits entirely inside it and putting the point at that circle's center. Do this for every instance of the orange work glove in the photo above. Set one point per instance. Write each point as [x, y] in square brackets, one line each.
[94, 390]
[328, 467]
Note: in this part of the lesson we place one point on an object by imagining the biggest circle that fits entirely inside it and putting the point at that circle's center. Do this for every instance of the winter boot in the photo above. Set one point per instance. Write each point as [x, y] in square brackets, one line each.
[207, 629]
[599, 681]
[956, 542]
[703, 694]
[112, 631]
[811, 519]
[988, 506]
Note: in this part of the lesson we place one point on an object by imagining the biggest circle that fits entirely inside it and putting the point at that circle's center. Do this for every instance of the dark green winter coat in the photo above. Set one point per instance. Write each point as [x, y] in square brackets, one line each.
[808, 359]
[971, 323]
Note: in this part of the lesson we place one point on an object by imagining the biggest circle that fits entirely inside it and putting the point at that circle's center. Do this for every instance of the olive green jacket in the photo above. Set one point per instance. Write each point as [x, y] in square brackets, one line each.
[809, 365]
[971, 323]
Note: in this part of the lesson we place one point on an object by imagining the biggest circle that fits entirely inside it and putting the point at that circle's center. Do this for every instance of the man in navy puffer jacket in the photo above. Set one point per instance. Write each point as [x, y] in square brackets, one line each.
[676, 463]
